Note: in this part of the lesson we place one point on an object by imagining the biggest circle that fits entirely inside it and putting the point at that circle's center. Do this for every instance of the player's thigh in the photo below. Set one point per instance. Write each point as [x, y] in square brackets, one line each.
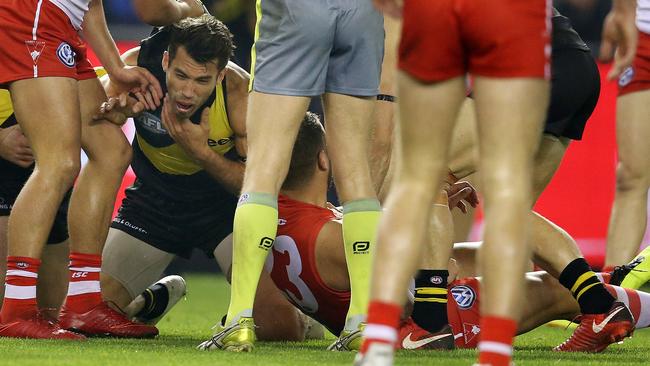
[99, 138]
[428, 113]
[633, 133]
[132, 262]
[54, 126]
[510, 115]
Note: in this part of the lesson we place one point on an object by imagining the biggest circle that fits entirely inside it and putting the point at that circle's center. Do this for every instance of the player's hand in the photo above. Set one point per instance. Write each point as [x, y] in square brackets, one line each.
[138, 81]
[460, 194]
[620, 37]
[14, 147]
[195, 6]
[117, 109]
[191, 137]
[390, 7]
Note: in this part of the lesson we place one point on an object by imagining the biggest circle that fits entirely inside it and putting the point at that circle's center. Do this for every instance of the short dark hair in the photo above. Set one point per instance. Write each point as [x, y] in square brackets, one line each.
[205, 38]
[304, 158]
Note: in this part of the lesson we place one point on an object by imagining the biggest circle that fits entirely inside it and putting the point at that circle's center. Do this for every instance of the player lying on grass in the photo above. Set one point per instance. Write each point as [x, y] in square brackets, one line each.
[308, 262]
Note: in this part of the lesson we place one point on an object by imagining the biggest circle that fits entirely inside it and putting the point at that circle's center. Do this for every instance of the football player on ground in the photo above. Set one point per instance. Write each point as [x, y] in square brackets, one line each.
[308, 261]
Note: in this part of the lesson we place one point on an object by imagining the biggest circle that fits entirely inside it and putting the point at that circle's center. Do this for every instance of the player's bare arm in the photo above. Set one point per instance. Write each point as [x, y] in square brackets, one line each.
[165, 12]
[237, 89]
[14, 147]
[126, 77]
[620, 37]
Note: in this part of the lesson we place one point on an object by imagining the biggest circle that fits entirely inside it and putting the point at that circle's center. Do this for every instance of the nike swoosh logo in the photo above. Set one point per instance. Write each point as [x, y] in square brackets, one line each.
[407, 343]
[597, 328]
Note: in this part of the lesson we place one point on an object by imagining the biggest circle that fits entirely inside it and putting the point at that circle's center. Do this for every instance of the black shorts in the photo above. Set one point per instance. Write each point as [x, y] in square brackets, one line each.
[575, 88]
[173, 222]
[12, 181]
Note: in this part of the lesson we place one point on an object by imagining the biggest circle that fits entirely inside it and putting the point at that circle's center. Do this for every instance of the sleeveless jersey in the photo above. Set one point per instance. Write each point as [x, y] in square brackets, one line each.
[157, 156]
[74, 9]
[292, 264]
[643, 15]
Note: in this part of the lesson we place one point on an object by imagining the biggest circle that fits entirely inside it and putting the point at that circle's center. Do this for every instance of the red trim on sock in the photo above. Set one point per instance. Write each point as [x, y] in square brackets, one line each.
[635, 303]
[85, 260]
[608, 269]
[500, 330]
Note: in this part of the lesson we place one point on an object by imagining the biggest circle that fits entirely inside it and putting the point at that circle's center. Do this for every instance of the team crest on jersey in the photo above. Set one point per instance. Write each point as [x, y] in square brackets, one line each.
[464, 296]
[35, 49]
[65, 54]
[626, 77]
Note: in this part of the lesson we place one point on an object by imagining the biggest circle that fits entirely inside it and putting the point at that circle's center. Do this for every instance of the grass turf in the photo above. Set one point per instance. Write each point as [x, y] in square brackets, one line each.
[189, 324]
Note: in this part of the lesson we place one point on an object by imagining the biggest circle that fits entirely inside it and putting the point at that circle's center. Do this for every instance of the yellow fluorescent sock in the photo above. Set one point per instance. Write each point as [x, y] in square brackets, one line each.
[255, 227]
[641, 273]
[360, 220]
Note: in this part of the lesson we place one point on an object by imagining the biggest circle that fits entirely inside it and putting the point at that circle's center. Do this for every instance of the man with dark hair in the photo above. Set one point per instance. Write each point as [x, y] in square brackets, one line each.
[187, 158]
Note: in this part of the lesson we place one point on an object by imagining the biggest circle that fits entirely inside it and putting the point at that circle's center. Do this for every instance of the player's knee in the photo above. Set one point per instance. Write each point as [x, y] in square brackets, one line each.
[63, 170]
[630, 178]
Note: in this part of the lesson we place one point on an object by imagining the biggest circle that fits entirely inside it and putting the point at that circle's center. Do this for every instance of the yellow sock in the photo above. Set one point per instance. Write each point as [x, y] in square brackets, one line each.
[641, 273]
[255, 226]
[360, 220]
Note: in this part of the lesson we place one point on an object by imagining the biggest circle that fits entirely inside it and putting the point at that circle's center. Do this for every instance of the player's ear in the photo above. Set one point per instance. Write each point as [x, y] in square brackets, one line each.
[221, 75]
[165, 61]
[323, 161]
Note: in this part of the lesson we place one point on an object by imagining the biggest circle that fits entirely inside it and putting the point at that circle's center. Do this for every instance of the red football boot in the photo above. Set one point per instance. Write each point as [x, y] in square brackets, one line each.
[412, 337]
[38, 327]
[102, 320]
[597, 331]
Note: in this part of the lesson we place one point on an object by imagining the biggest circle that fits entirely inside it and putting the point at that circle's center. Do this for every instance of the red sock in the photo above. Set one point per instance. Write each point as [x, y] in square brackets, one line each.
[495, 346]
[84, 292]
[383, 319]
[20, 289]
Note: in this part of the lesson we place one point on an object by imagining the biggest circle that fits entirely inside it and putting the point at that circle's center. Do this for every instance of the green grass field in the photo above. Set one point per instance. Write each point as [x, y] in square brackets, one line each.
[190, 322]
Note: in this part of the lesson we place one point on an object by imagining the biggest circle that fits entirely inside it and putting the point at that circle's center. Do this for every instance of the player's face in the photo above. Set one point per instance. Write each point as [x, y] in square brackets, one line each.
[189, 83]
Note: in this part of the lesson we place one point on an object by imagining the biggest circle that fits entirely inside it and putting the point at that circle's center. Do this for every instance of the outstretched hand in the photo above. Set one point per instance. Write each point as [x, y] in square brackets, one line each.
[138, 81]
[117, 109]
[14, 147]
[460, 194]
[620, 37]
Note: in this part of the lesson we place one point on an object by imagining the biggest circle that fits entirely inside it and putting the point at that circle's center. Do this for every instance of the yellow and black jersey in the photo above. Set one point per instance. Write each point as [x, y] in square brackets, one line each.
[7, 117]
[156, 154]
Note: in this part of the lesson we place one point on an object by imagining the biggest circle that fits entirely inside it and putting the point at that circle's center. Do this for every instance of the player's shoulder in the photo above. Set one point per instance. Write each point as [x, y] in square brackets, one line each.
[237, 78]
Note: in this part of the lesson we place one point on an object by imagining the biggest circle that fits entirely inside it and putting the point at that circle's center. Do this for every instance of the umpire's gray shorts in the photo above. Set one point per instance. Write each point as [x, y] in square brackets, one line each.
[308, 47]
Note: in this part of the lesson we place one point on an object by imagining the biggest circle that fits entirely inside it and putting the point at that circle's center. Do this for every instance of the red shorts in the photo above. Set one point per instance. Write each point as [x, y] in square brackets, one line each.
[463, 312]
[637, 77]
[443, 39]
[38, 40]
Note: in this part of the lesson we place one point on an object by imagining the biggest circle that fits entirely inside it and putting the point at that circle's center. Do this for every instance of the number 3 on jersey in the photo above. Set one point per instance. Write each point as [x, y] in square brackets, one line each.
[286, 261]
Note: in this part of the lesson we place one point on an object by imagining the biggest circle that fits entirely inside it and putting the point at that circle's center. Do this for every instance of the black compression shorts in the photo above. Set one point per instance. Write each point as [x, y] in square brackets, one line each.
[12, 181]
[575, 88]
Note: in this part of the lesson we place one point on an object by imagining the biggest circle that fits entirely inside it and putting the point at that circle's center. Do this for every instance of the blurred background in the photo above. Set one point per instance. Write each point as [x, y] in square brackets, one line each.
[579, 198]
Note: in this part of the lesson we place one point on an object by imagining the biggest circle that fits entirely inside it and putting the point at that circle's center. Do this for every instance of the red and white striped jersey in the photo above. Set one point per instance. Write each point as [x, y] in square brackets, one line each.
[74, 9]
[643, 15]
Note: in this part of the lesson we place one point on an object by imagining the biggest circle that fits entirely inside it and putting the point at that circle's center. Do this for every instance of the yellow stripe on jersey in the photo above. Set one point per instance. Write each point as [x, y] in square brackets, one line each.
[172, 159]
[258, 15]
[6, 108]
[100, 71]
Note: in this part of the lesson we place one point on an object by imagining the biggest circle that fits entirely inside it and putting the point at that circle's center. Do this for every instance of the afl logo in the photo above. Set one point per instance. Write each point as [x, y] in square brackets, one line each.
[464, 296]
[626, 77]
[65, 54]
